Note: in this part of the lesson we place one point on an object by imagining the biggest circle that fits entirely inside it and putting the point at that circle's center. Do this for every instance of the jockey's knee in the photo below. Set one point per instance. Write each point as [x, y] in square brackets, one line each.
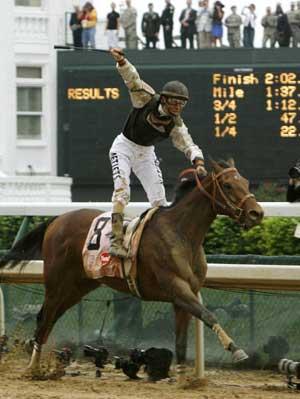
[158, 197]
[159, 202]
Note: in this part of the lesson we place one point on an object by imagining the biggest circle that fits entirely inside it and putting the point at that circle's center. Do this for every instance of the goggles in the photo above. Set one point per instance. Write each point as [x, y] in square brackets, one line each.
[176, 101]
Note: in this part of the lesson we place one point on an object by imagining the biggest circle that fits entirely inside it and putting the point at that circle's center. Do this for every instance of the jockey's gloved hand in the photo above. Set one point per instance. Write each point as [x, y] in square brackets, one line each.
[199, 165]
[117, 54]
[202, 172]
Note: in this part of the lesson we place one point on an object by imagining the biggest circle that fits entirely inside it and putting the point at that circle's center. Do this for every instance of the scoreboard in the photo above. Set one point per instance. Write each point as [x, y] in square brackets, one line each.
[276, 101]
[248, 112]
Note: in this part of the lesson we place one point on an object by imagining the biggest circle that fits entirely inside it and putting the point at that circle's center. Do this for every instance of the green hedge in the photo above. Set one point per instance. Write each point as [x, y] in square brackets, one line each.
[9, 226]
[274, 237]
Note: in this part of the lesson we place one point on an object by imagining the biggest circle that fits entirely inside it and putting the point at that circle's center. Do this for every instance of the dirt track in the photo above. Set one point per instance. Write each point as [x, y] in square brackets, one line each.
[114, 384]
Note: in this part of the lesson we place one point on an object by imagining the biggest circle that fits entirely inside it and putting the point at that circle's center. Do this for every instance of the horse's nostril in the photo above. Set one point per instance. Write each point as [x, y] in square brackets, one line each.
[255, 215]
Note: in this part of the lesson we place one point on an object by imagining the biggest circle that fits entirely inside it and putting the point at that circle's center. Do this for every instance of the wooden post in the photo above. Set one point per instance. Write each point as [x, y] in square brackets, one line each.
[199, 361]
[2, 313]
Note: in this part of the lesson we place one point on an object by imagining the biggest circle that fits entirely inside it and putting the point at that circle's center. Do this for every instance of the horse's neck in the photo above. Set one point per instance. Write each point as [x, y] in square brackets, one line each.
[193, 216]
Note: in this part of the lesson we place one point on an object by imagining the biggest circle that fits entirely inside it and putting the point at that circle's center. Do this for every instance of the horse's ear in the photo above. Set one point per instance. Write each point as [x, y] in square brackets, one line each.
[231, 162]
[216, 167]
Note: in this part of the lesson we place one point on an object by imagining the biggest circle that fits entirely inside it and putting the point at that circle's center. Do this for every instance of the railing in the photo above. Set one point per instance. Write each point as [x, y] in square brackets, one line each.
[284, 209]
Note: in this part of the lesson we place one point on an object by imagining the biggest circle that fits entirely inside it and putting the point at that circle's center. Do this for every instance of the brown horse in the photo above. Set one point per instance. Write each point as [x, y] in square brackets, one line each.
[171, 260]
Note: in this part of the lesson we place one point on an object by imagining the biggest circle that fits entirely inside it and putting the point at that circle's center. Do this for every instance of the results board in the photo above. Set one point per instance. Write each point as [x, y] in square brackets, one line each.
[281, 103]
[250, 114]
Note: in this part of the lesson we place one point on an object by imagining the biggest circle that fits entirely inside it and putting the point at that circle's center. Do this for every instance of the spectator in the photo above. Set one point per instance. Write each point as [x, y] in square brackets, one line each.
[298, 11]
[128, 21]
[112, 27]
[88, 23]
[233, 23]
[150, 26]
[294, 20]
[75, 26]
[188, 25]
[217, 24]
[167, 22]
[249, 25]
[283, 30]
[298, 19]
[293, 191]
[269, 23]
[204, 25]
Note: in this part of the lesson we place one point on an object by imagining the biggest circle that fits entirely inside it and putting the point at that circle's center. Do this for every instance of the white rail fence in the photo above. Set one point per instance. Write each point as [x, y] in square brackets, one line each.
[284, 277]
[133, 209]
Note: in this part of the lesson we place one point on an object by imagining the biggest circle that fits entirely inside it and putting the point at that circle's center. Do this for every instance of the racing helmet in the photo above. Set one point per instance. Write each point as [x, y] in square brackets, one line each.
[175, 89]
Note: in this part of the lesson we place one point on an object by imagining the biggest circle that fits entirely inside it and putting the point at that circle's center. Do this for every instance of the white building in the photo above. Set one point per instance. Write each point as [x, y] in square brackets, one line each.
[29, 29]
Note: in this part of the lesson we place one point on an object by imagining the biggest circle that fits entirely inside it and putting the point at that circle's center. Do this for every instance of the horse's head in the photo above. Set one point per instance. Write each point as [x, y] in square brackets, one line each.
[230, 195]
[227, 191]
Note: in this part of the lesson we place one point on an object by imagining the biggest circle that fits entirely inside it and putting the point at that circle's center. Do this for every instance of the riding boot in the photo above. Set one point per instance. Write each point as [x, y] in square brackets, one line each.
[116, 241]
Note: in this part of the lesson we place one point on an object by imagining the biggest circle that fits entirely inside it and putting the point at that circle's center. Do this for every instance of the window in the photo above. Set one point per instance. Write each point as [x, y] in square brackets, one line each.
[29, 103]
[29, 72]
[28, 3]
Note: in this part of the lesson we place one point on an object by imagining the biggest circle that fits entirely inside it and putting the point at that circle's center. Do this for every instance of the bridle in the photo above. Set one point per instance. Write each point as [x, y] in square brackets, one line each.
[230, 208]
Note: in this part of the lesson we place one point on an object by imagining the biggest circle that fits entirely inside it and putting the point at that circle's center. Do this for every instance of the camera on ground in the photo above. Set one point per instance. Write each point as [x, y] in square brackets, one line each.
[99, 354]
[156, 362]
[292, 370]
[294, 171]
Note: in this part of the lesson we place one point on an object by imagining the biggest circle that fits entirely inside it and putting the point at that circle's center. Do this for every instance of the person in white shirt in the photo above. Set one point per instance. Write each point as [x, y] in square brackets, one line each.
[249, 25]
[204, 25]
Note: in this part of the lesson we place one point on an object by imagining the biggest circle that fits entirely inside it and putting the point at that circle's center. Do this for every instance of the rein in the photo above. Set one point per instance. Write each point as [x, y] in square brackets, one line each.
[235, 210]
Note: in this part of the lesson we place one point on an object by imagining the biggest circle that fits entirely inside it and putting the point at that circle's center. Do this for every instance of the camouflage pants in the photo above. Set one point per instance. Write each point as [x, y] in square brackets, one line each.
[131, 39]
[269, 35]
[204, 39]
[234, 39]
[295, 35]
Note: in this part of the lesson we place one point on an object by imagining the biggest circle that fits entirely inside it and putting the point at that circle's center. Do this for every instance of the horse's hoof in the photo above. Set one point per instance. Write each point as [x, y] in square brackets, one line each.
[192, 383]
[32, 374]
[239, 355]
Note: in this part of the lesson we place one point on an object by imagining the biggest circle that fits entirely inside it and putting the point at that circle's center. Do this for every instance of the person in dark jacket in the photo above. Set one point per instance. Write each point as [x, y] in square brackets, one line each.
[166, 21]
[75, 25]
[150, 26]
[283, 31]
[293, 191]
[188, 29]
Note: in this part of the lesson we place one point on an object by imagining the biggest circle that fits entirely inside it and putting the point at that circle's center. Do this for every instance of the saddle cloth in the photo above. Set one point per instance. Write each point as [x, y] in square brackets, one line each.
[97, 261]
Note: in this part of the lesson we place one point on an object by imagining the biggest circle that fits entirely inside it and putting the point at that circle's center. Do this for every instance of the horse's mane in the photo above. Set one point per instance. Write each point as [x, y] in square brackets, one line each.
[182, 188]
[187, 183]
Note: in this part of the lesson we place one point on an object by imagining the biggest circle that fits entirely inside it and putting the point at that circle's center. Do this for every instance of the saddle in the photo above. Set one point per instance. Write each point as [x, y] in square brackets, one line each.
[97, 261]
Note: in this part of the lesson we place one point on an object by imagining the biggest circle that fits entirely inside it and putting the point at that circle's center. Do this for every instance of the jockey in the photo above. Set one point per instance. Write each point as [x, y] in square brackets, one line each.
[154, 117]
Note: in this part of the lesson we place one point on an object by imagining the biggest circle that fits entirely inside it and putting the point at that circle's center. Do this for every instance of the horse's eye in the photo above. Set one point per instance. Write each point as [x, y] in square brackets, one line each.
[227, 186]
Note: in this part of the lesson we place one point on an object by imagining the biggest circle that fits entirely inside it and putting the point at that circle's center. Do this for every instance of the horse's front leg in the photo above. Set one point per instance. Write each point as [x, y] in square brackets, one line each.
[182, 319]
[185, 299]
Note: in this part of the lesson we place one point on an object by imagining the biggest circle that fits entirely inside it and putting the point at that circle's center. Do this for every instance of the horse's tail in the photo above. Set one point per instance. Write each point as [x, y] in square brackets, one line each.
[27, 248]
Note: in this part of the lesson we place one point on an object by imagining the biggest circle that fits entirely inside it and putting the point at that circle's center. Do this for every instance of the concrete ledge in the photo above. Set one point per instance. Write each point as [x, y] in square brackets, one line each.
[35, 188]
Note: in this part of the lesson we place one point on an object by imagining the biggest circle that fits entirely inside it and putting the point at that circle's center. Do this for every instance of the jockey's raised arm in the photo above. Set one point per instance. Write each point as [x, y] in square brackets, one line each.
[140, 92]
